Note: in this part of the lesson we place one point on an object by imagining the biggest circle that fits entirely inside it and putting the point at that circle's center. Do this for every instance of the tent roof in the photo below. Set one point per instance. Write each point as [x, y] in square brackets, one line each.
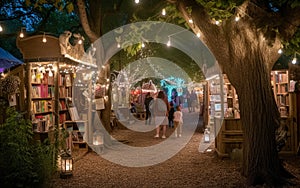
[7, 60]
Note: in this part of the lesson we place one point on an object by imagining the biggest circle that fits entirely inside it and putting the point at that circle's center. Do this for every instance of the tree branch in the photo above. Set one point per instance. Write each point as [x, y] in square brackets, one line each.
[84, 21]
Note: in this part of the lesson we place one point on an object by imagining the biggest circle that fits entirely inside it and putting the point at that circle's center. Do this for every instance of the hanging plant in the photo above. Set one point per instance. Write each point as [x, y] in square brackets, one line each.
[10, 85]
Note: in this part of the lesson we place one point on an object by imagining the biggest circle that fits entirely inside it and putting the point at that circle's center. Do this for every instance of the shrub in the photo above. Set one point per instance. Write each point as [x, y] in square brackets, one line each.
[23, 161]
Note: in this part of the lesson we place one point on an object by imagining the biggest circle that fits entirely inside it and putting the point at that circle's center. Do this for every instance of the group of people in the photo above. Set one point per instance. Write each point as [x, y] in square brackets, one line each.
[163, 113]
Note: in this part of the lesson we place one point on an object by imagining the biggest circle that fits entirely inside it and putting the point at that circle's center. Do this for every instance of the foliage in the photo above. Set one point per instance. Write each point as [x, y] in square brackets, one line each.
[10, 84]
[23, 163]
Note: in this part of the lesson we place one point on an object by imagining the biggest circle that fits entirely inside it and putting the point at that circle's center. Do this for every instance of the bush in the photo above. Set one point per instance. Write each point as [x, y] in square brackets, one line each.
[23, 162]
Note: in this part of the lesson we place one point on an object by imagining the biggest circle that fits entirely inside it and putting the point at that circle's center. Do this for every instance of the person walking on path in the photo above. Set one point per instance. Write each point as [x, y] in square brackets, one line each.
[160, 109]
[171, 115]
[178, 121]
[148, 99]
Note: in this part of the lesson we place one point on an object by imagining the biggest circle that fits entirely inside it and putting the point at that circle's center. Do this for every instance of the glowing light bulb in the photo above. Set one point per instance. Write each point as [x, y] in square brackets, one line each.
[237, 18]
[118, 45]
[190, 21]
[169, 43]
[217, 22]
[280, 51]
[44, 38]
[143, 45]
[21, 34]
[80, 41]
[163, 12]
[136, 1]
[198, 34]
[1, 29]
[294, 61]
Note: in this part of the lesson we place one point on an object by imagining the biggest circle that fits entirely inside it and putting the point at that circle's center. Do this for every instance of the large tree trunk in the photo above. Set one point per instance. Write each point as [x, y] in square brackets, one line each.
[249, 72]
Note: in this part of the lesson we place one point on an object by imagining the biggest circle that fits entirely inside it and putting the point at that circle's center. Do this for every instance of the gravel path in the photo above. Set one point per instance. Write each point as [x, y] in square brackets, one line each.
[187, 168]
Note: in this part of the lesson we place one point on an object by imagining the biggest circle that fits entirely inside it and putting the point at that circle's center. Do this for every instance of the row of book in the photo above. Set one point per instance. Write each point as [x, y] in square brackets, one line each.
[65, 80]
[42, 91]
[42, 123]
[41, 106]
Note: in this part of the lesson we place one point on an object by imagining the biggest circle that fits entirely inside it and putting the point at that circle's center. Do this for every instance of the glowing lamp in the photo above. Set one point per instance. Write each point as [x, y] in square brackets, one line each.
[66, 163]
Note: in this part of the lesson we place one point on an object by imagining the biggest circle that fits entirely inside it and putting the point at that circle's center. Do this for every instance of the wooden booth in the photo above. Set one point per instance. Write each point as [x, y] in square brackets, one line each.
[224, 117]
[51, 66]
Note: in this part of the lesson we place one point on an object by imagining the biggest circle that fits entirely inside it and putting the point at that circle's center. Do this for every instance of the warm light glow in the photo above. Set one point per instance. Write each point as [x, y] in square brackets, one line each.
[44, 38]
[280, 51]
[1, 29]
[217, 22]
[198, 34]
[80, 41]
[21, 34]
[294, 60]
[237, 18]
[163, 12]
[143, 45]
[118, 45]
[190, 21]
[169, 43]
[136, 1]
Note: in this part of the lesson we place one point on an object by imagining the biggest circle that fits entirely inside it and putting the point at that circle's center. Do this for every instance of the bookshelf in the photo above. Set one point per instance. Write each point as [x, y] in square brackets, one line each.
[40, 95]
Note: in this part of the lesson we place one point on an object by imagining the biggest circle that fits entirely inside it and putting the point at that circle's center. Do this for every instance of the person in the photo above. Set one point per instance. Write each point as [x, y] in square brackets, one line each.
[160, 109]
[148, 99]
[178, 121]
[171, 115]
[189, 103]
[175, 98]
[193, 98]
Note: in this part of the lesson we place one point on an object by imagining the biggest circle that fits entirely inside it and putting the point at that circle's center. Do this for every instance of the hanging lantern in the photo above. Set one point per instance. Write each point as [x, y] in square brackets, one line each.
[66, 162]
[206, 136]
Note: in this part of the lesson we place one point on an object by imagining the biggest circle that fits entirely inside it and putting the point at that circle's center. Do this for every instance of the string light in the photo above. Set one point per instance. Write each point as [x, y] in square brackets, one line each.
[237, 18]
[163, 12]
[1, 29]
[198, 35]
[44, 38]
[80, 41]
[294, 61]
[118, 45]
[169, 42]
[280, 51]
[191, 21]
[136, 1]
[217, 22]
[21, 33]
[143, 45]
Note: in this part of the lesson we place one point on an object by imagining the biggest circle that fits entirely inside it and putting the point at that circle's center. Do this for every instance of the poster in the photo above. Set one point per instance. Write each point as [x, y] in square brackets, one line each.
[99, 104]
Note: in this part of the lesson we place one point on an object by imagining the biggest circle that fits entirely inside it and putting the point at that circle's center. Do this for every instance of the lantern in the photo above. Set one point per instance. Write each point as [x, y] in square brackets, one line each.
[98, 141]
[66, 163]
[206, 136]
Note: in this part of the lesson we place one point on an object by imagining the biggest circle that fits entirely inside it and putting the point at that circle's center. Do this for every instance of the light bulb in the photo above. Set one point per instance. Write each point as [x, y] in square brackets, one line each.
[169, 43]
[118, 45]
[163, 12]
[217, 22]
[1, 29]
[21, 34]
[280, 51]
[294, 61]
[237, 18]
[198, 34]
[44, 38]
[136, 1]
[190, 20]
[80, 41]
[143, 45]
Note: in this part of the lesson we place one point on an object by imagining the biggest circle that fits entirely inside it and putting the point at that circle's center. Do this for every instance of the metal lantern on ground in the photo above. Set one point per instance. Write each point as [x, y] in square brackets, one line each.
[98, 141]
[206, 136]
[66, 163]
